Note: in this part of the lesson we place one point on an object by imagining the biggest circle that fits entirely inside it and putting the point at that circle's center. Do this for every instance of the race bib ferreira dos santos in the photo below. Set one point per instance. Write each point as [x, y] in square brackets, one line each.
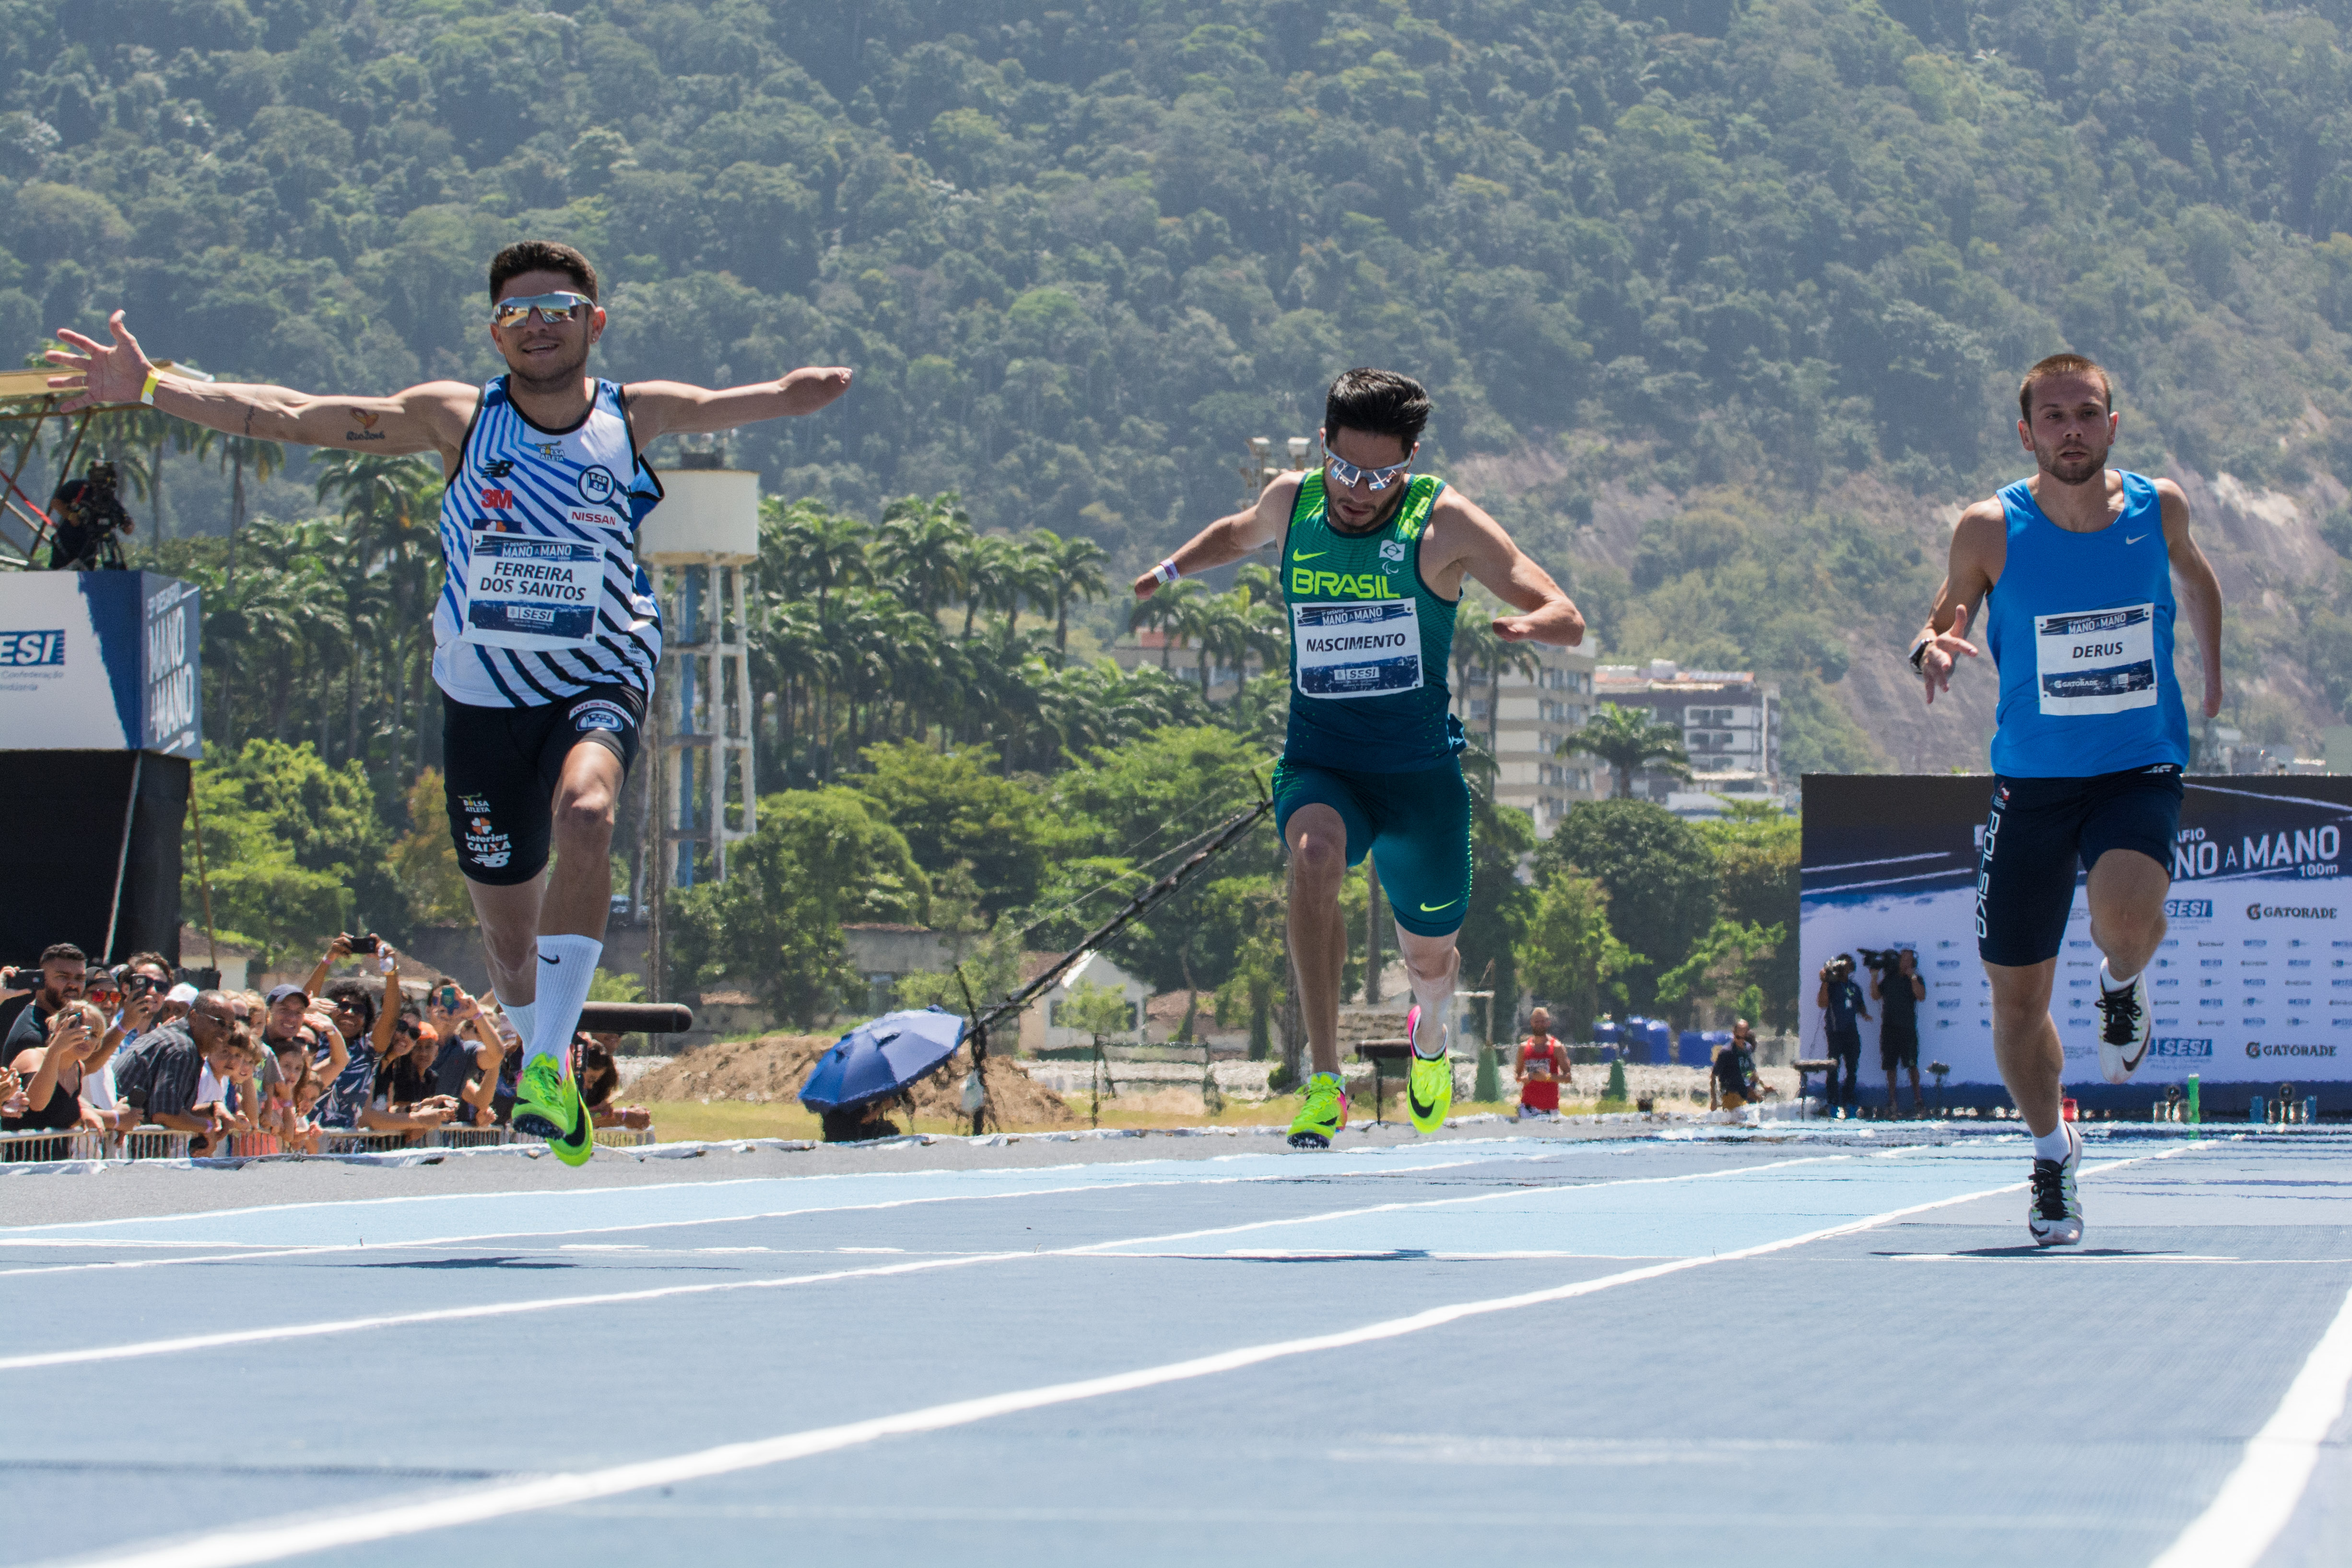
[531, 591]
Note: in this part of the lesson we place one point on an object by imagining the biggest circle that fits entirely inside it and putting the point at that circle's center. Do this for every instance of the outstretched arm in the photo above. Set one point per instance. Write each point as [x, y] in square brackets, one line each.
[673, 408]
[2200, 591]
[427, 418]
[1230, 538]
[1980, 544]
[1474, 544]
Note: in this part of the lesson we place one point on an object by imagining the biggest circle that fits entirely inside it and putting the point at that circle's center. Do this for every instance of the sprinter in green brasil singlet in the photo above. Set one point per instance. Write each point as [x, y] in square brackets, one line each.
[1373, 558]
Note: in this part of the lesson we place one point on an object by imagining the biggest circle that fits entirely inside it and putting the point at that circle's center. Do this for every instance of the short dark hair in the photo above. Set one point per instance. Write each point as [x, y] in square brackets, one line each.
[541, 256]
[58, 949]
[2063, 364]
[1376, 402]
[352, 993]
[141, 960]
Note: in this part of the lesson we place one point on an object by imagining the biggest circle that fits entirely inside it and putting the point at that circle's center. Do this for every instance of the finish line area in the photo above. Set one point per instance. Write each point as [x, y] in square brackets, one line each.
[1775, 1346]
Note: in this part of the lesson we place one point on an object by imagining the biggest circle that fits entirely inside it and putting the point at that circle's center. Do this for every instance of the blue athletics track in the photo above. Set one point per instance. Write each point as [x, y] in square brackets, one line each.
[1685, 1346]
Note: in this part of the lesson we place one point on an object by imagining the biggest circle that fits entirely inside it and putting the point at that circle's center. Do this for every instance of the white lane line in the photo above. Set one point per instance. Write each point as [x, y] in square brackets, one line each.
[268, 1542]
[2254, 1504]
[188, 1342]
[483, 1237]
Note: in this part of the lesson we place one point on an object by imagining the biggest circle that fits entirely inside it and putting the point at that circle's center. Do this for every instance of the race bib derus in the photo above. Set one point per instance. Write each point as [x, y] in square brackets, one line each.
[1368, 648]
[529, 591]
[2096, 661]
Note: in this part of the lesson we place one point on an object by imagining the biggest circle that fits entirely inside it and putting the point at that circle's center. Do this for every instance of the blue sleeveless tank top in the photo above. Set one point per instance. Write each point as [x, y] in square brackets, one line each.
[2081, 626]
[544, 597]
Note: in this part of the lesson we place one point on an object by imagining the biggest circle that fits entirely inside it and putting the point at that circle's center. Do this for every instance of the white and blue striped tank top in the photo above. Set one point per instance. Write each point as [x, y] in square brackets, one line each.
[544, 596]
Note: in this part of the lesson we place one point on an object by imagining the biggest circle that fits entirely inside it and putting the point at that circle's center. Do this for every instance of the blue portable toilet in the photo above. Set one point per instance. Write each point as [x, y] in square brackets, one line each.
[1610, 1035]
[1661, 1038]
[1637, 1038]
[1699, 1046]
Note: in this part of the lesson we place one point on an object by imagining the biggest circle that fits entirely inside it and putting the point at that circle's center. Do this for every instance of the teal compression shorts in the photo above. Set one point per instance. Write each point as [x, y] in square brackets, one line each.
[1415, 825]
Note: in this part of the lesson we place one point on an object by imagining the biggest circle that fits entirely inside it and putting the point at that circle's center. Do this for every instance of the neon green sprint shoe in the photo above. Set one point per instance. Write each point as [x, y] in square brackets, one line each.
[548, 1105]
[1429, 1086]
[1322, 1114]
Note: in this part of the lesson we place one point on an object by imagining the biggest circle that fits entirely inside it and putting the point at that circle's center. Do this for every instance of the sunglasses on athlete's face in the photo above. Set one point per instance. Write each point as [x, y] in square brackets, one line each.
[1349, 476]
[551, 309]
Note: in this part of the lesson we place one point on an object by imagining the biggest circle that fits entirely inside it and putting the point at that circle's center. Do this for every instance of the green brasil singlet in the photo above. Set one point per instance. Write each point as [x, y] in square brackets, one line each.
[1370, 644]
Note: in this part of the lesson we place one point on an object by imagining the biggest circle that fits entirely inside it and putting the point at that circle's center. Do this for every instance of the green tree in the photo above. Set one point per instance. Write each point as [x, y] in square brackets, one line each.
[955, 810]
[1628, 740]
[424, 860]
[1757, 850]
[1569, 956]
[820, 858]
[1494, 927]
[1656, 869]
[294, 848]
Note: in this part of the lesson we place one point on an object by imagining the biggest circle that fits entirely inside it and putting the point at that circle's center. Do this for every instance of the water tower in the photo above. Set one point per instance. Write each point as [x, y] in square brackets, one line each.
[698, 546]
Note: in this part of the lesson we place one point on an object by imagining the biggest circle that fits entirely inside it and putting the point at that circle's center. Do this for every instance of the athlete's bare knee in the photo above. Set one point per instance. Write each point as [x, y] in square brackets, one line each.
[584, 818]
[1319, 863]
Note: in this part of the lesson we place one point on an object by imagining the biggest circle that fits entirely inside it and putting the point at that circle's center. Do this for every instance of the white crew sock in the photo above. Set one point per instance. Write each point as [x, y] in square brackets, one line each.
[567, 964]
[2052, 1145]
[2111, 983]
[523, 1015]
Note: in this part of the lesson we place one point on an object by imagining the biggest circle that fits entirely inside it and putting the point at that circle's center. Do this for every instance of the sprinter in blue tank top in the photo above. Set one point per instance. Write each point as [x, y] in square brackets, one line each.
[546, 632]
[1373, 560]
[2073, 569]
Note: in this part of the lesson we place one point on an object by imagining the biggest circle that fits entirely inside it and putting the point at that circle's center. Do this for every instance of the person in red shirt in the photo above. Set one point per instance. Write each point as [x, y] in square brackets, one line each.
[1542, 1068]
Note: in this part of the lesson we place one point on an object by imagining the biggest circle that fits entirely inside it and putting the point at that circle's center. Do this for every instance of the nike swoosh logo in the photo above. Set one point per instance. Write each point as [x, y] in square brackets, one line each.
[545, 959]
[1433, 908]
[2134, 538]
[1316, 556]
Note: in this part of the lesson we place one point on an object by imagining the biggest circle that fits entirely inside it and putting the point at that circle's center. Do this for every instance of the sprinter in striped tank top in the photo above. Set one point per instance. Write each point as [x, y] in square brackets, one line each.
[2071, 574]
[546, 636]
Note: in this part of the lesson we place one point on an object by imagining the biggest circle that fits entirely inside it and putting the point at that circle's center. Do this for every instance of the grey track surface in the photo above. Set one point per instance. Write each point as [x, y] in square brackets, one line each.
[1926, 1389]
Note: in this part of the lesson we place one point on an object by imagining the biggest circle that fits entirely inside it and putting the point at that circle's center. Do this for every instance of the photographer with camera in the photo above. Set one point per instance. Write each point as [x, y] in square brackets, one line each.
[1899, 990]
[87, 516]
[1840, 1000]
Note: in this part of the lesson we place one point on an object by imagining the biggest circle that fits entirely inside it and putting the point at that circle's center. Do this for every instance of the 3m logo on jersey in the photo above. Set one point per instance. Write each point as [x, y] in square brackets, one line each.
[21, 651]
[497, 500]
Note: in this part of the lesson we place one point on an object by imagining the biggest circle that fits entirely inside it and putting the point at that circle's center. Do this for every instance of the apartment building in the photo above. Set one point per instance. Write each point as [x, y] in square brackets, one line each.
[1523, 718]
[1730, 723]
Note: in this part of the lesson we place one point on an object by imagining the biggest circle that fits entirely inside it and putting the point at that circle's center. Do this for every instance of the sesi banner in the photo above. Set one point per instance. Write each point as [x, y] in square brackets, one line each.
[101, 662]
[2254, 982]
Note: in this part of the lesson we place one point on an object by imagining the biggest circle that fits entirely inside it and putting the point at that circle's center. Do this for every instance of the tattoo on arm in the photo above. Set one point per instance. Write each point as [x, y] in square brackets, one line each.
[367, 430]
[250, 411]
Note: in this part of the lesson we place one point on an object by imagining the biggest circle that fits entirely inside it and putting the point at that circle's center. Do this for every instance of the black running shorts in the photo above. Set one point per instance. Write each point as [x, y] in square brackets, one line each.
[1898, 1047]
[501, 766]
[2037, 832]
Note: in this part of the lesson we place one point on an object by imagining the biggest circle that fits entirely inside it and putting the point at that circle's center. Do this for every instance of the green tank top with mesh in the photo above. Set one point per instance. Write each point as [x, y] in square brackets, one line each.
[1369, 643]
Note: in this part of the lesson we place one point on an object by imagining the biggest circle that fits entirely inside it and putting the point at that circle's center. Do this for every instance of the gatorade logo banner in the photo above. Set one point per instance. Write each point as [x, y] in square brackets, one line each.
[2096, 661]
[1364, 650]
[534, 593]
[2253, 984]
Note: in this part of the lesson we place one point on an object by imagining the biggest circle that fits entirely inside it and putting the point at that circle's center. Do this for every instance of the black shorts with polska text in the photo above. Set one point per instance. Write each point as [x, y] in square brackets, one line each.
[501, 766]
[2041, 830]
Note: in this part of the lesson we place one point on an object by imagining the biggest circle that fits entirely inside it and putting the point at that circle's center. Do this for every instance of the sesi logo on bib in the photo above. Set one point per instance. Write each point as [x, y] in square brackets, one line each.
[2096, 661]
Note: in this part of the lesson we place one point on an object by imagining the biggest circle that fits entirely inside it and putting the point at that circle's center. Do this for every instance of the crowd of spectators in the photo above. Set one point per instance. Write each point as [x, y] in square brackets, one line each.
[109, 1051]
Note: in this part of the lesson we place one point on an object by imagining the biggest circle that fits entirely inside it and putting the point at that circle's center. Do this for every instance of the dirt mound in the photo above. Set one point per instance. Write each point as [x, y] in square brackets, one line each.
[773, 1066]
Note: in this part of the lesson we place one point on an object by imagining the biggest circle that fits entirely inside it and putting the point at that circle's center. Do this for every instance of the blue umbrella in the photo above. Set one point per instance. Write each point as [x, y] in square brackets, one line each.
[881, 1057]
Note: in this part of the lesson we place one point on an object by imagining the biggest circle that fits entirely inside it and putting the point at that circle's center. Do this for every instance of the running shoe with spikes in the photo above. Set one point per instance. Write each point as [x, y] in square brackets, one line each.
[2053, 1213]
[548, 1105]
[1322, 1113]
[2123, 1028]
[1429, 1082]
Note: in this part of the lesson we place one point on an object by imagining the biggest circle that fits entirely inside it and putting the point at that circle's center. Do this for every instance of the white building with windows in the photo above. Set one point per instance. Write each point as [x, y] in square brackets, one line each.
[1732, 728]
[1523, 718]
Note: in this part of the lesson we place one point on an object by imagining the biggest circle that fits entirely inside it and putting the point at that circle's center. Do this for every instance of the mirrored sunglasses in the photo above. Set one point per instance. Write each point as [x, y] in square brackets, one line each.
[1349, 475]
[549, 308]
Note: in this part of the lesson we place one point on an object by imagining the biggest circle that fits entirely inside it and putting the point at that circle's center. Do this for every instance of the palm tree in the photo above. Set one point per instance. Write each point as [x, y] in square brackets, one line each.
[809, 547]
[1170, 609]
[1073, 569]
[1628, 740]
[979, 564]
[1477, 647]
[916, 549]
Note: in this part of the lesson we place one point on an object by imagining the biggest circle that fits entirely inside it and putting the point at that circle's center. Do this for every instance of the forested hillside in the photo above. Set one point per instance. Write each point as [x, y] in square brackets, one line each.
[1722, 302]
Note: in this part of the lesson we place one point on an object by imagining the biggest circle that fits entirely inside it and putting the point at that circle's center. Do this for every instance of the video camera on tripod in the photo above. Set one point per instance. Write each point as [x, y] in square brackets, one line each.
[1881, 962]
[90, 520]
